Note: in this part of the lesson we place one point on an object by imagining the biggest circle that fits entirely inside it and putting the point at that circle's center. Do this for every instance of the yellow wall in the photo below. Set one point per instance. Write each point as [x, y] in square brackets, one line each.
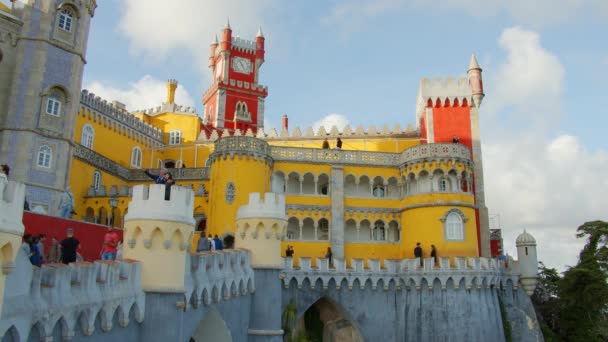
[189, 125]
[252, 235]
[8, 251]
[164, 268]
[248, 175]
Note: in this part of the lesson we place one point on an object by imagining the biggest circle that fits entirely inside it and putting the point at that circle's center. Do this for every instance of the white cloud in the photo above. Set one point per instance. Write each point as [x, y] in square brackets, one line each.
[145, 93]
[533, 13]
[160, 29]
[331, 120]
[548, 185]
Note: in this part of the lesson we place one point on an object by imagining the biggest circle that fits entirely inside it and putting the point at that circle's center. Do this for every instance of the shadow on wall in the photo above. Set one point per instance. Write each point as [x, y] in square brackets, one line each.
[326, 321]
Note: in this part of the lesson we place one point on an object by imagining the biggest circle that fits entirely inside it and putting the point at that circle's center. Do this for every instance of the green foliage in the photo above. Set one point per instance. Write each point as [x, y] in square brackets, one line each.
[583, 290]
[288, 321]
[575, 307]
[506, 325]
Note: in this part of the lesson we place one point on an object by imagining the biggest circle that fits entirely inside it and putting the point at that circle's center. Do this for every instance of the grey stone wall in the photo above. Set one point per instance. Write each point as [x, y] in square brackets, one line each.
[520, 312]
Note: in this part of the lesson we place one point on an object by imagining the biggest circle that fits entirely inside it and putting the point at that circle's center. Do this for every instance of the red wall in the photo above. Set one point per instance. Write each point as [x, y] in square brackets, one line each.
[450, 121]
[90, 235]
[495, 247]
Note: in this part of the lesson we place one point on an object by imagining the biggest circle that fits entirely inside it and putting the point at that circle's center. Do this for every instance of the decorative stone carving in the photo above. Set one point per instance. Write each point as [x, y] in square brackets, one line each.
[230, 193]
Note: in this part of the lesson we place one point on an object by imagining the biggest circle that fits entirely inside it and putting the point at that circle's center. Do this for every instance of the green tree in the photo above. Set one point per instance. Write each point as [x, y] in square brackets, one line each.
[583, 291]
[546, 299]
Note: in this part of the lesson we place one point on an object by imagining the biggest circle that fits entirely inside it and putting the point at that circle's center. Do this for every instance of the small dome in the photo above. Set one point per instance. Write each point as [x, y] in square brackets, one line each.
[525, 239]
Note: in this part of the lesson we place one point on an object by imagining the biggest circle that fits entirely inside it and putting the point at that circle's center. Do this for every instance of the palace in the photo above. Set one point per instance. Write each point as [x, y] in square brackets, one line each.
[371, 198]
[385, 190]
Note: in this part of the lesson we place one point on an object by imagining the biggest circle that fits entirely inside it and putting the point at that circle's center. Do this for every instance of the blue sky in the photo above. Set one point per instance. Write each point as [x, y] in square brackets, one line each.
[543, 120]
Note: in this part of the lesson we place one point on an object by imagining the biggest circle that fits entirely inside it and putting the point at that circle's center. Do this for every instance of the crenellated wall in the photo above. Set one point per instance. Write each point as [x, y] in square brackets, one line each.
[38, 301]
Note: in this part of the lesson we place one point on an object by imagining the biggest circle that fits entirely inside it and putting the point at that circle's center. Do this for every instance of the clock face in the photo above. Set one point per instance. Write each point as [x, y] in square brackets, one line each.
[242, 65]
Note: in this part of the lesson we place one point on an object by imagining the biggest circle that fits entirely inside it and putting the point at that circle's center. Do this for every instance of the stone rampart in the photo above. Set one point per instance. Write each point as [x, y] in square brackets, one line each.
[466, 273]
[74, 296]
[148, 202]
[219, 276]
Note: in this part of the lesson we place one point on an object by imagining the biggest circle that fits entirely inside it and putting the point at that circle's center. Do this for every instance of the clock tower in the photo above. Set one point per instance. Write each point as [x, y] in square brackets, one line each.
[235, 99]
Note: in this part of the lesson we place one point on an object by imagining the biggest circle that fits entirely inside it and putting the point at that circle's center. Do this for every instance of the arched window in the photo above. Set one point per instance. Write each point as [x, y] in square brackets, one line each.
[88, 136]
[136, 157]
[378, 190]
[96, 180]
[45, 156]
[66, 16]
[443, 184]
[454, 225]
[175, 137]
[378, 233]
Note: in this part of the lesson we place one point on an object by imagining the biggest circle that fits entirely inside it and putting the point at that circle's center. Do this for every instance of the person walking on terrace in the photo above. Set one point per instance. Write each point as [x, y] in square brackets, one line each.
[434, 254]
[110, 244]
[339, 143]
[329, 255]
[69, 246]
[325, 144]
[418, 252]
[160, 178]
[169, 182]
[203, 244]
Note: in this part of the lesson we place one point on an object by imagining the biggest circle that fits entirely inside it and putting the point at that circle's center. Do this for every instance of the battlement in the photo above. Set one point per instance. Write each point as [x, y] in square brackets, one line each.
[116, 112]
[219, 276]
[254, 88]
[320, 133]
[272, 206]
[73, 297]
[466, 273]
[455, 90]
[243, 45]
[148, 203]
[11, 208]
[168, 108]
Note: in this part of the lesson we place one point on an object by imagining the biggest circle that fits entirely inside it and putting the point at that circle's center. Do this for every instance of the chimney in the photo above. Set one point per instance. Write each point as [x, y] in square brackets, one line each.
[171, 86]
[284, 123]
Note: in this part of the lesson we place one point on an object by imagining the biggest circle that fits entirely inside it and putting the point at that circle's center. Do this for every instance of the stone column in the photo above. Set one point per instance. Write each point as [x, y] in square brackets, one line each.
[337, 211]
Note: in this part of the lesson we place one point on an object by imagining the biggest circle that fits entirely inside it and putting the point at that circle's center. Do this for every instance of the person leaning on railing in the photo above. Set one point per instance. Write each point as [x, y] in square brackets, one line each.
[160, 178]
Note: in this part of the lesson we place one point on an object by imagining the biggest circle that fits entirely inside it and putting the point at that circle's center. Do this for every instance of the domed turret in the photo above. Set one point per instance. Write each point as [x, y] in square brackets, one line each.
[525, 239]
[528, 261]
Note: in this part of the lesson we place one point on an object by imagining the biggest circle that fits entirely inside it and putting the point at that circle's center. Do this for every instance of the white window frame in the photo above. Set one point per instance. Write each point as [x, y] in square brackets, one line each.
[44, 157]
[66, 19]
[454, 225]
[136, 157]
[53, 105]
[96, 180]
[87, 138]
[175, 137]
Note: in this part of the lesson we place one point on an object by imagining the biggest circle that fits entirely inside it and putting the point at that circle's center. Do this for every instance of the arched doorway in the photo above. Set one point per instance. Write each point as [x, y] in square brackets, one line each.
[325, 320]
[211, 329]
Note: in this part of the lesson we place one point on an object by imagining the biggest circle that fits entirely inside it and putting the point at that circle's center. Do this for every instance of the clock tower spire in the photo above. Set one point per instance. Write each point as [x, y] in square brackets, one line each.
[235, 99]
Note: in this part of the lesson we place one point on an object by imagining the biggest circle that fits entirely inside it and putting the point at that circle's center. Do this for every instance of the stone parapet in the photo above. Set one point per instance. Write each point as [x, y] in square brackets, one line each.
[103, 107]
[241, 146]
[451, 89]
[148, 203]
[467, 273]
[73, 297]
[218, 276]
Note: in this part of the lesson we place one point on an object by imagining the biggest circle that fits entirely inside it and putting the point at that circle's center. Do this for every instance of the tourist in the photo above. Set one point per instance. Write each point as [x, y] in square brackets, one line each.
[289, 252]
[119, 250]
[67, 203]
[329, 255]
[455, 140]
[41, 239]
[434, 254]
[339, 143]
[325, 144]
[160, 178]
[69, 246]
[35, 256]
[54, 252]
[169, 182]
[203, 244]
[110, 242]
[418, 252]
[218, 243]
[25, 245]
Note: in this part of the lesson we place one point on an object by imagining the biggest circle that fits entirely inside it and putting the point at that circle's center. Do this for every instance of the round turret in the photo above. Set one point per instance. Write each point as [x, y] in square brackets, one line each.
[240, 165]
[528, 261]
